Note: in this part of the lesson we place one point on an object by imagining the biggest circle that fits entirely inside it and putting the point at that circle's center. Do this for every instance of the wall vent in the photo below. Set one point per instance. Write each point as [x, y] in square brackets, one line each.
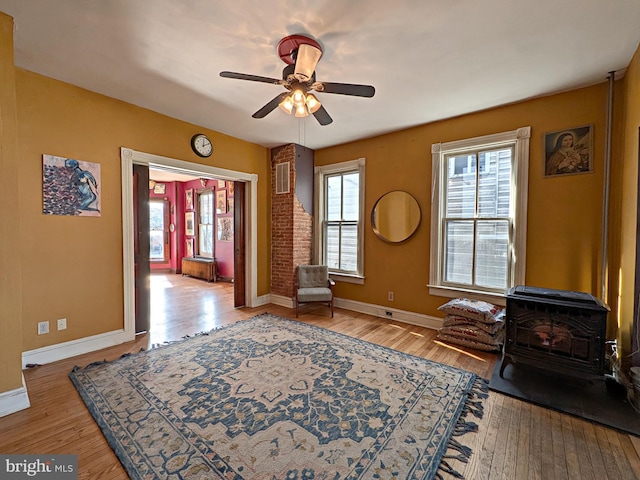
[282, 178]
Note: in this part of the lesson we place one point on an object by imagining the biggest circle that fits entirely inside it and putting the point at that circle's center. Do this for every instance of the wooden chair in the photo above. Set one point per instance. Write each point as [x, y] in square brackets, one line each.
[313, 285]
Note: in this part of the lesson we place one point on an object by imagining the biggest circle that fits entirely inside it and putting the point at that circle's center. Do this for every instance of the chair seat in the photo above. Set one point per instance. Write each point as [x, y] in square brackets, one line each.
[314, 294]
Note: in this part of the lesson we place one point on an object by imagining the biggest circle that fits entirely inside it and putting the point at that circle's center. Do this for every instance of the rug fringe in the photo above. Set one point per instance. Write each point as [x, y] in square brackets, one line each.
[478, 391]
[446, 468]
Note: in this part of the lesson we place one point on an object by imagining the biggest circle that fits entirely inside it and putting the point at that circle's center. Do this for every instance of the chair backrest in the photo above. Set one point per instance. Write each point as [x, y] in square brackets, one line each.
[313, 276]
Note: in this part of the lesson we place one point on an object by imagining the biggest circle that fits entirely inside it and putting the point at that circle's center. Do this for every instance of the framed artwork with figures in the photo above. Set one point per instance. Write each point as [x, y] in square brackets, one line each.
[569, 151]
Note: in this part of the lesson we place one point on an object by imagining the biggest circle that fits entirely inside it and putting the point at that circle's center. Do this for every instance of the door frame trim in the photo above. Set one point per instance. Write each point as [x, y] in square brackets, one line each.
[128, 157]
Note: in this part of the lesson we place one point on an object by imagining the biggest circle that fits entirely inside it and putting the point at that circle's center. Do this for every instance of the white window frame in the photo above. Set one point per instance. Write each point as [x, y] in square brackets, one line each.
[519, 140]
[320, 173]
[211, 193]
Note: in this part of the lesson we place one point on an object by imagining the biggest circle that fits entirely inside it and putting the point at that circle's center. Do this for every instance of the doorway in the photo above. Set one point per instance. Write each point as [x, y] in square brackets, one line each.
[249, 221]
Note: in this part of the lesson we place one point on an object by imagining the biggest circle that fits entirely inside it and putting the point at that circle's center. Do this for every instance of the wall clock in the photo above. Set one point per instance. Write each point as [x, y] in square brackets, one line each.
[201, 145]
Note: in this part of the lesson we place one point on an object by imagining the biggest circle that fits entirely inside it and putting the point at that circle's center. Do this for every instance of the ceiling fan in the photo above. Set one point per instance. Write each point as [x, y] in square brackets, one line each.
[301, 54]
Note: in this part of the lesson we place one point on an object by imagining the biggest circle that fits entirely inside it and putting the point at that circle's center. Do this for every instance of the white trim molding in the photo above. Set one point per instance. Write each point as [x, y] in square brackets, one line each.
[14, 400]
[380, 311]
[60, 351]
[519, 140]
[130, 157]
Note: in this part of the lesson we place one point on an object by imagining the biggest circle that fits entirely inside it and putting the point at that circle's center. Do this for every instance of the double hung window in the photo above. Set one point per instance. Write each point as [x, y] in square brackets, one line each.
[205, 224]
[478, 231]
[340, 204]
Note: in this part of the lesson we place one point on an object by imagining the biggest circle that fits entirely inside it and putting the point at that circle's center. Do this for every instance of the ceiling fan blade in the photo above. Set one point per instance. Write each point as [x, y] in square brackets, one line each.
[347, 89]
[269, 107]
[322, 116]
[307, 58]
[251, 78]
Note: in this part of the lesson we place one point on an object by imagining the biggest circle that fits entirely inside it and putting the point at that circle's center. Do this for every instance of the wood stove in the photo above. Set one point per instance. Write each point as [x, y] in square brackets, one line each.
[560, 331]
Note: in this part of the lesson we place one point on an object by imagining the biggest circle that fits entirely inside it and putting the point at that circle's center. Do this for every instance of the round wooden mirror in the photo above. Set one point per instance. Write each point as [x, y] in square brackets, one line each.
[395, 216]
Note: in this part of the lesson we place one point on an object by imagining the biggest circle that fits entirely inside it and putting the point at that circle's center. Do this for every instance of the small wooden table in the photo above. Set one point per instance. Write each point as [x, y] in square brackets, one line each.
[200, 267]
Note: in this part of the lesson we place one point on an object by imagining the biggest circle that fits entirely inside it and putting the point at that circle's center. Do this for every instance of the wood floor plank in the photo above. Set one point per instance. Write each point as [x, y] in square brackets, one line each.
[557, 447]
[524, 440]
[582, 449]
[515, 440]
[502, 436]
[570, 451]
[617, 452]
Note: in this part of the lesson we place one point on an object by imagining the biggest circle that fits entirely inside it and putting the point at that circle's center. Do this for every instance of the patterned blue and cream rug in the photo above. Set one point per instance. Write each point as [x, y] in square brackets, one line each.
[271, 398]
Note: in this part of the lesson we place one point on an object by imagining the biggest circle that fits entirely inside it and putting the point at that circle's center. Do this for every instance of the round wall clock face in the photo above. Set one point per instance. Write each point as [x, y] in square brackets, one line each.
[201, 145]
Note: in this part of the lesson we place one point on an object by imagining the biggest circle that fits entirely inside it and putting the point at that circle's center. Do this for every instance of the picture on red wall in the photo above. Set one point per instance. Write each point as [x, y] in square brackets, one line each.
[188, 199]
[189, 252]
[225, 229]
[189, 222]
[221, 201]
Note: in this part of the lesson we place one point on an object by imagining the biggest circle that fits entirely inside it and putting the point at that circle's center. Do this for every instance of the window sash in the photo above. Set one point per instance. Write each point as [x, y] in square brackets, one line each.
[339, 230]
[493, 232]
[206, 245]
[341, 253]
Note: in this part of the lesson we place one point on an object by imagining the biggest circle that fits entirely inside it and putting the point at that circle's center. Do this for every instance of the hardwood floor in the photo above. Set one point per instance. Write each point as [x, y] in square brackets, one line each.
[515, 440]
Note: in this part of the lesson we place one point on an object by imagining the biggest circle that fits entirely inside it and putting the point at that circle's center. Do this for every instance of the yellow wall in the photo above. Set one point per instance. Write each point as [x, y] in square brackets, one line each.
[10, 265]
[72, 266]
[627, 162]
[564, 218]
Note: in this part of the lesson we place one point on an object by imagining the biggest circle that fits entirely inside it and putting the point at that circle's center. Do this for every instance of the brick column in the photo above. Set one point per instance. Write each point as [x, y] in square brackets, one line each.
[291, 217]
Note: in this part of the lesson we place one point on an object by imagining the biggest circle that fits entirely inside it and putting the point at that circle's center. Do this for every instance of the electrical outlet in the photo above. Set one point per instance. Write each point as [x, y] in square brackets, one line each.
[389, 314]
[62, 324]
[390, 296]
[43, 328]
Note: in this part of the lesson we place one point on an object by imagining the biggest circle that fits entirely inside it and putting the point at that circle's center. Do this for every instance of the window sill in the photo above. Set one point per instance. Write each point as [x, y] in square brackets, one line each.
[341, 277]
[449, 292]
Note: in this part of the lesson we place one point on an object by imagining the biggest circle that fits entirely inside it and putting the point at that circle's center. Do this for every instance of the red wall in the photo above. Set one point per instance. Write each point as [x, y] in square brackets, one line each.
[170, 195]
[175, 194]
[223, 250]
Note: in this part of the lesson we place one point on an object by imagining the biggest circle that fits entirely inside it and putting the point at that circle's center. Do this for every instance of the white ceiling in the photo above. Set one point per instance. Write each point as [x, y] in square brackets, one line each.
[427, 59]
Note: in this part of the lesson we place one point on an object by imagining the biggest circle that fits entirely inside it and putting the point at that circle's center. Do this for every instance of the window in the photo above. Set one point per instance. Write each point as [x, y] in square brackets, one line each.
[340, 207]
[158, 230]
[479, 211]
[205, 224]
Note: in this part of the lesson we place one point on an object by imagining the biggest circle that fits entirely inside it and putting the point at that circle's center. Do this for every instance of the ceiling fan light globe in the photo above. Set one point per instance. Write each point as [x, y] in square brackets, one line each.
[301, 111]
[286, 105]
[313, 104]
[298, 97]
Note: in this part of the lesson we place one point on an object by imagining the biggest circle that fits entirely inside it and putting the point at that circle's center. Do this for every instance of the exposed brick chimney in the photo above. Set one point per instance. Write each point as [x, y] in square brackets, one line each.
[291, 215]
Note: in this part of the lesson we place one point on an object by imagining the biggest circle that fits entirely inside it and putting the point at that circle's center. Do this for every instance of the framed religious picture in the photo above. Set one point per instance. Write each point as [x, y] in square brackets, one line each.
[567, 152]
[189, 223]
[230, 189]
[188, 199]
[221, 201]
[189, 252]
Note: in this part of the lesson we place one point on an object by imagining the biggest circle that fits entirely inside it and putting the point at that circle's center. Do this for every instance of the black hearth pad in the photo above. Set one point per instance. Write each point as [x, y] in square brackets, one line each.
[590, 401]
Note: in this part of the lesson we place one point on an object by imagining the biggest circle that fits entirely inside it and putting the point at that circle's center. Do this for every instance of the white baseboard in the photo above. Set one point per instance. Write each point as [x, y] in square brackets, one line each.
[262, 300]
[60, 351]
[376, 310]
[282, 301]
[14, 400]
[383, 312]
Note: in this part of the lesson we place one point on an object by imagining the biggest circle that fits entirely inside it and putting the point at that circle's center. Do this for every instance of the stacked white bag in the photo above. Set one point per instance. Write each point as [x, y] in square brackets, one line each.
[473, 323]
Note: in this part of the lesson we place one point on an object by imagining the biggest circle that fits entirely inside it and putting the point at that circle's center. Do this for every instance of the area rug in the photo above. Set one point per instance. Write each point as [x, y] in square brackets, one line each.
[272, 398]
